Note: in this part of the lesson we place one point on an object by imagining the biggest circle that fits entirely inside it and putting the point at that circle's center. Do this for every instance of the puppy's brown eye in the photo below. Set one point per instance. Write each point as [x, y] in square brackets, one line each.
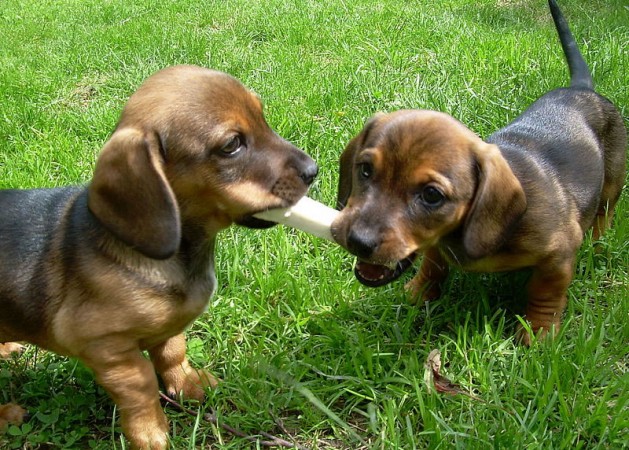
[365, 170]
[233, 146]
[431, 196]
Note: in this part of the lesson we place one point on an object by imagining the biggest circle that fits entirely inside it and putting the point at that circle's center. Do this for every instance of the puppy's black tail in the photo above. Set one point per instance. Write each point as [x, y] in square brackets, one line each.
[579, 72]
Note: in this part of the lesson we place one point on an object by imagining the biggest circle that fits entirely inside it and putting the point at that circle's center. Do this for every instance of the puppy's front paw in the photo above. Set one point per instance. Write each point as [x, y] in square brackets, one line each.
[426, 285]
[170, 362]
[422, 290]
[147, 432]
[188, 382]
[523, 335]
[526, 335]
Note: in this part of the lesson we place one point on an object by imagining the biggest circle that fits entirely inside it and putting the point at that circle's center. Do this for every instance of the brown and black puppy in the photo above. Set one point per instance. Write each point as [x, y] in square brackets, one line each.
[123, 265]
[421, 182]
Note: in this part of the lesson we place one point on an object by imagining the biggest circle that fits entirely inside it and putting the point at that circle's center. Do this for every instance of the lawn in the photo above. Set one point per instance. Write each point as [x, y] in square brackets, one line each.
[304, 351]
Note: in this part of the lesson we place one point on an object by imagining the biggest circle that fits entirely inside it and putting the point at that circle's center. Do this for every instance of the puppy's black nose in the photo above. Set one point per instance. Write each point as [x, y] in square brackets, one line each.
[362, 242]
[309, 172]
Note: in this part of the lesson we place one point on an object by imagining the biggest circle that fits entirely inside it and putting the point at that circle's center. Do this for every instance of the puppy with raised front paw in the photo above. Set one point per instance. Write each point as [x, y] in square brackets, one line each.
[104, 272]
[421, 182]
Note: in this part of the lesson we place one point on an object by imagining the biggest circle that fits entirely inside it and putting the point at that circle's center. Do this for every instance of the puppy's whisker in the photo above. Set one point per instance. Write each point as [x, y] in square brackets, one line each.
[453, 254]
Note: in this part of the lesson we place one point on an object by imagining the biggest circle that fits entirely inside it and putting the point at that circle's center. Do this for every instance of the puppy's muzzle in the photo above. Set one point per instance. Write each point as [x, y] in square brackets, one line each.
[363, 242]
[306, 169]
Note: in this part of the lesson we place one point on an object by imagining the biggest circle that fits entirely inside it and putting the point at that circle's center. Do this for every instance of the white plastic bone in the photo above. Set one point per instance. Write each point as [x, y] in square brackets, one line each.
[307, 215]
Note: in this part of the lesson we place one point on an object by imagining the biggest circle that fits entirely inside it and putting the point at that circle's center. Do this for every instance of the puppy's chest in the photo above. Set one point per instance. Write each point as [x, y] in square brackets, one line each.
[169, 294]
[192, 298]
[188, 289]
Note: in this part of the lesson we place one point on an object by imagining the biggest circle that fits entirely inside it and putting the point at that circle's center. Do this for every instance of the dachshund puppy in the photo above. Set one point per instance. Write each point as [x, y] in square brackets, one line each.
[421, 182]
[123, 265]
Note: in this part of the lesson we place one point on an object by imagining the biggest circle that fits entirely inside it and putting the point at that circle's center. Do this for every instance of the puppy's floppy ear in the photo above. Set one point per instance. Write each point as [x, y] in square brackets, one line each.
[346, 163]
[130, 196]
[498, 204]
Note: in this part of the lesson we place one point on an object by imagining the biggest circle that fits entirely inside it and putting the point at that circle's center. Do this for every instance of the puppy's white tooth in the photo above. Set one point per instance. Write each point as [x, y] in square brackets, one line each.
[307, 215]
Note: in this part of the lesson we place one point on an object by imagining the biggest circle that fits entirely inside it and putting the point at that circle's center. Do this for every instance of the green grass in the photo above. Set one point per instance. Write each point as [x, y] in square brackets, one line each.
[295, 338]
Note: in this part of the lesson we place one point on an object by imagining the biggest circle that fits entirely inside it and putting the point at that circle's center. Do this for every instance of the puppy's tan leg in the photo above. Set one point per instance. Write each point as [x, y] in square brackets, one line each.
[427, 283]
[11, 414]
[130, 380]
[10, 348]
[169, 359]
[602, 222]
[547, 298]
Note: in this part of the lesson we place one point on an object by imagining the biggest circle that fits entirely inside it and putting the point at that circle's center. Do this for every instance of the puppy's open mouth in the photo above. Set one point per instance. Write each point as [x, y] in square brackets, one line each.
[254, 222]
[250, 221]
[375, 275]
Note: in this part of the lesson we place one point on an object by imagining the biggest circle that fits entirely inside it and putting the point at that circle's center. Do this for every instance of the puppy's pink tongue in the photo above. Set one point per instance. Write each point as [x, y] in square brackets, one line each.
[373, 274]
[371, 271]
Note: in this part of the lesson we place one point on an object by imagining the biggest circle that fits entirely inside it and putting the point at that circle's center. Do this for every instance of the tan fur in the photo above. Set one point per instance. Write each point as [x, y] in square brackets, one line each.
[497, 214]
[126, 264]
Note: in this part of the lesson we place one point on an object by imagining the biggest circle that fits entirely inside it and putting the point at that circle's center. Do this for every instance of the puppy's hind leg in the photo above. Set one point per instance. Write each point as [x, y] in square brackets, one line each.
[9, 349]
[612, 187]
[615, 162]
[602, 221]
[10, 413]
[179, 377]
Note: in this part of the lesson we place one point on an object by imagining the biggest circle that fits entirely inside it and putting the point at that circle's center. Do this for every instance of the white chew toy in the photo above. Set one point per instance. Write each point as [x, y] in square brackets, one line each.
[307, 215]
